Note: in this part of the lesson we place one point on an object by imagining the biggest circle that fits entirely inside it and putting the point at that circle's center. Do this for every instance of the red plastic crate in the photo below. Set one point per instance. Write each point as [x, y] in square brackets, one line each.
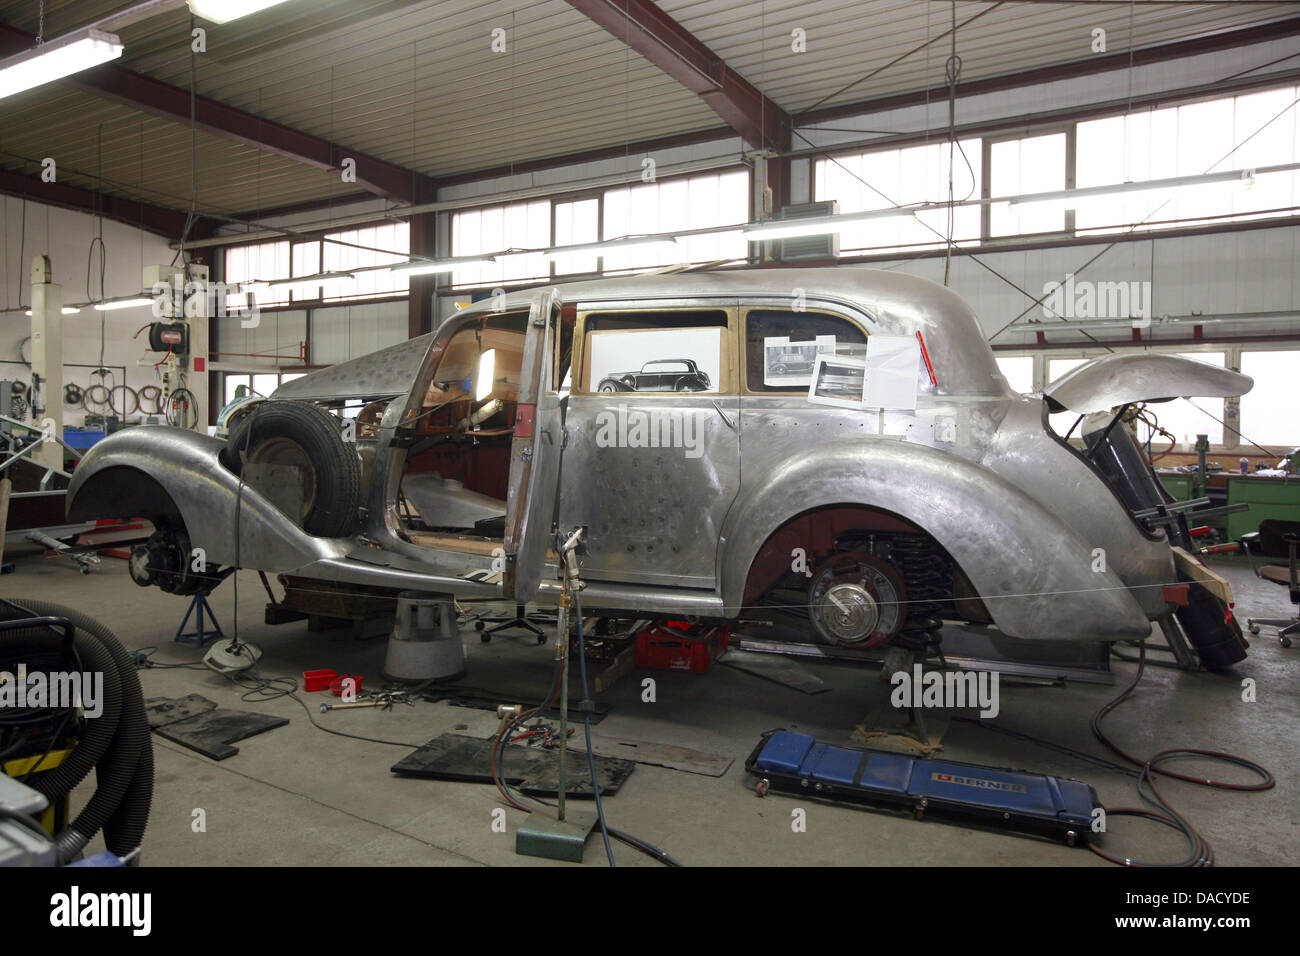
[318, 680]
[680, 646]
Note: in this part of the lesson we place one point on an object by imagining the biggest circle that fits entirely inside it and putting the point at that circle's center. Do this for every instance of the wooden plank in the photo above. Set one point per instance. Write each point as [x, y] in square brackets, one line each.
[622, 663]
[1194, 569]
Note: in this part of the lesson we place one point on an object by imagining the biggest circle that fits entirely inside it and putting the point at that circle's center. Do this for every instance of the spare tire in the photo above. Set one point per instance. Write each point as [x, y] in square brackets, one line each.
[309, 438]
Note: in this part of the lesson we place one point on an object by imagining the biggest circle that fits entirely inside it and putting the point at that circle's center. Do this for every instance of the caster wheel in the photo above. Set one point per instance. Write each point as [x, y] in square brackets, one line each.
[762, 787]
[479, 625]
[85, 569]
[485, 638]
[1254, 628]
[1286, 641]
[540, 640]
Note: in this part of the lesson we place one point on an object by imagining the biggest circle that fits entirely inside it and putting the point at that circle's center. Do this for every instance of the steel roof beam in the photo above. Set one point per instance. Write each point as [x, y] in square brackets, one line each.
[166, 222]
[145, 93]
[675, 50]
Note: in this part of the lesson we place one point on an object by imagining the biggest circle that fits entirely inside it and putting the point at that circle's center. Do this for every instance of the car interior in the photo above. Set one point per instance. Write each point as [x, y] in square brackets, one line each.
[454, 482]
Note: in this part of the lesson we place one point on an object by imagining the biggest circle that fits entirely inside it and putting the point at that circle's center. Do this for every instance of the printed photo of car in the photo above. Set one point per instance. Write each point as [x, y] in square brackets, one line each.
[661, 375]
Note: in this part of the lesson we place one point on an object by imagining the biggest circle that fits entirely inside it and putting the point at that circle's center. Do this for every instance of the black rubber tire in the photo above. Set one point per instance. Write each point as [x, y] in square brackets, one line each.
[336, 463]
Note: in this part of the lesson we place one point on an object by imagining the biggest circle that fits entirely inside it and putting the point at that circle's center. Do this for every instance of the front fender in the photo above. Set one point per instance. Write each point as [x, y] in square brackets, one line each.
[1033, 572]
[184, 465]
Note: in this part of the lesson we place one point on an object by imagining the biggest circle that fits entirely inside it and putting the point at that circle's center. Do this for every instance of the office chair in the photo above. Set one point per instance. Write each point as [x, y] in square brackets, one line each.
[1276, 538]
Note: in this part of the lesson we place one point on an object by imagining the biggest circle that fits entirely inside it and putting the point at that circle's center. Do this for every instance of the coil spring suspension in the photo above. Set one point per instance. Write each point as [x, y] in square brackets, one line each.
[927, 578]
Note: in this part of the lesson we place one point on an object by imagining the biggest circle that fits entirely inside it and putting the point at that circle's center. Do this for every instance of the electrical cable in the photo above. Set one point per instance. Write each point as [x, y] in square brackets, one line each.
[151, 393]
[181, 398]
[127, 393]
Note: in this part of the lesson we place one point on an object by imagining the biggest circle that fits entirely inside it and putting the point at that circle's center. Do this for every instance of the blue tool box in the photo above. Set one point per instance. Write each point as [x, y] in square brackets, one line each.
[1058, 807]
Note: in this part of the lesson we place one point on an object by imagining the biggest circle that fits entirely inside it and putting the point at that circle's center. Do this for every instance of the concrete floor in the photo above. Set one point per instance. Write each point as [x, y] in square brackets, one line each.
[296, 795]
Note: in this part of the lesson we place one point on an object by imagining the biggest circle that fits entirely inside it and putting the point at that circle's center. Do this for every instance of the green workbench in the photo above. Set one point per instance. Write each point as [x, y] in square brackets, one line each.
[1267, 497]
[1178, 486]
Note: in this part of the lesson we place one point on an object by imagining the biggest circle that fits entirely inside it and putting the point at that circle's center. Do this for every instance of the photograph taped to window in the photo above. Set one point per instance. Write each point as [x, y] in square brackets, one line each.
[791, 363]
[774, 336]
[838, 381]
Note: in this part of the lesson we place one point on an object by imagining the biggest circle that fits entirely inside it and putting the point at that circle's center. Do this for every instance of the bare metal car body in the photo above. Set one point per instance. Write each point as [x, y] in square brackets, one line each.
[1017, 515]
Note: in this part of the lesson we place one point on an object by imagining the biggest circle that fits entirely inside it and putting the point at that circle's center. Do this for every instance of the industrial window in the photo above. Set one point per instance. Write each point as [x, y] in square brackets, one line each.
[885, 178]
[260, 262]
[1268, 409]
[782, 345]
[1018, 371]
[366, 247]
[1019, 167]
[523, 225]
[1187, 418]
[677, 351]
[576, 223]
[677, 205]
[263, 383]
[1232, 133]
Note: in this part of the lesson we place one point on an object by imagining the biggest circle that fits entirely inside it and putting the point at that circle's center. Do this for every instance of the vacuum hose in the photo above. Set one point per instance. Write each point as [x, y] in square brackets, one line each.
[116, 743]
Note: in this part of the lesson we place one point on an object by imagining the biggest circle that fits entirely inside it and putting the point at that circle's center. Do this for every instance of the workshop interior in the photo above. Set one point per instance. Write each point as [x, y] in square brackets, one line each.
[649, 433]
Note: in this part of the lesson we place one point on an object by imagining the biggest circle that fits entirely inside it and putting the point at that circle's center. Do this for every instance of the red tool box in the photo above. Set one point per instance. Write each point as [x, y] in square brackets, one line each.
[681, 645]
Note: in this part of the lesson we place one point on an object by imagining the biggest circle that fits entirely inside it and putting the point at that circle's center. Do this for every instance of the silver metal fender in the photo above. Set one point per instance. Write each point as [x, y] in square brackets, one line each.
[1042, 466]
[1032, 570]
[1121, 379]
[185, 465]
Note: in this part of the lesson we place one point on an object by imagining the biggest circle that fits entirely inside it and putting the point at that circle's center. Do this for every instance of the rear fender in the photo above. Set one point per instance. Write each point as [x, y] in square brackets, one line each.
[1034, 573]
[121, 472]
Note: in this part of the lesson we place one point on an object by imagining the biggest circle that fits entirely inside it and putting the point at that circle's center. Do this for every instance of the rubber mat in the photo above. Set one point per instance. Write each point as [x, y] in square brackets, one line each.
[529, 769]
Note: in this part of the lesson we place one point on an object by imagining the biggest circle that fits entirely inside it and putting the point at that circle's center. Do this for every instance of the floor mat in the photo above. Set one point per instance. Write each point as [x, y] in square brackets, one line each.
[199, 724]
[529, 769]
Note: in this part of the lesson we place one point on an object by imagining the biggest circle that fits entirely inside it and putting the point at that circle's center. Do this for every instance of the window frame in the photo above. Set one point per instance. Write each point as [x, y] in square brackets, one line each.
[749, 305]
[727, 387]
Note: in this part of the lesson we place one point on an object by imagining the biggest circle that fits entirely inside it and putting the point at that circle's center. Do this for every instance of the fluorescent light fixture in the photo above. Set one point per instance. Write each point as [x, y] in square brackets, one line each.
[67, 310]
[223, 11]
[56, 59]
[325, 281]
[483, 385]
[821, 225]
[419, 267]
[626, 244]
[123, 302]
[1151, 189]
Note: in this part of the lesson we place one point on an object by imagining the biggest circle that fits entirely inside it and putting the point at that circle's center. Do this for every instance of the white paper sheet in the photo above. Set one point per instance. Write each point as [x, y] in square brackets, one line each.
[893, 366]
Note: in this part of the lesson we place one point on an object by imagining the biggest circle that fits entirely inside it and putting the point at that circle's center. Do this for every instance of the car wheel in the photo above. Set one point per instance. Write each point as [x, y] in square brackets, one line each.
[778, 369]
[305, 437]
[607, 387]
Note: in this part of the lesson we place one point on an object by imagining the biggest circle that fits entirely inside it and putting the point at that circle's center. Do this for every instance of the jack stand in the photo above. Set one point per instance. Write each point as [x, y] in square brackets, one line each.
[565, 837]
[198, 607]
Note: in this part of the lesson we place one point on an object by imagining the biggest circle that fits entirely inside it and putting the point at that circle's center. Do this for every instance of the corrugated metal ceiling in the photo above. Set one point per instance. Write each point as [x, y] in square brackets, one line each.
[847, 40]
[417, 83]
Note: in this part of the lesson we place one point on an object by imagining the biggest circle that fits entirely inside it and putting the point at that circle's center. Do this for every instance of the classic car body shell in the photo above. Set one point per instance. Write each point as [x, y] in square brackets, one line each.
[1021, 513]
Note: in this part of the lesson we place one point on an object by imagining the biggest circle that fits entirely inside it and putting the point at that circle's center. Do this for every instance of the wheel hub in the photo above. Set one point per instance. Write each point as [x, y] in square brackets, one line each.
[856, 599]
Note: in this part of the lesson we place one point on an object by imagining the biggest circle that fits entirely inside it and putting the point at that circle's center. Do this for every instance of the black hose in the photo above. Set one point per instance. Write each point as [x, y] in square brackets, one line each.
[125, 776]
[98, 734]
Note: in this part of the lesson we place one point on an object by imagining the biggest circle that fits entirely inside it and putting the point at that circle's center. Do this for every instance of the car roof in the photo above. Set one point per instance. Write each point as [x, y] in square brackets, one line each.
[894, 304]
